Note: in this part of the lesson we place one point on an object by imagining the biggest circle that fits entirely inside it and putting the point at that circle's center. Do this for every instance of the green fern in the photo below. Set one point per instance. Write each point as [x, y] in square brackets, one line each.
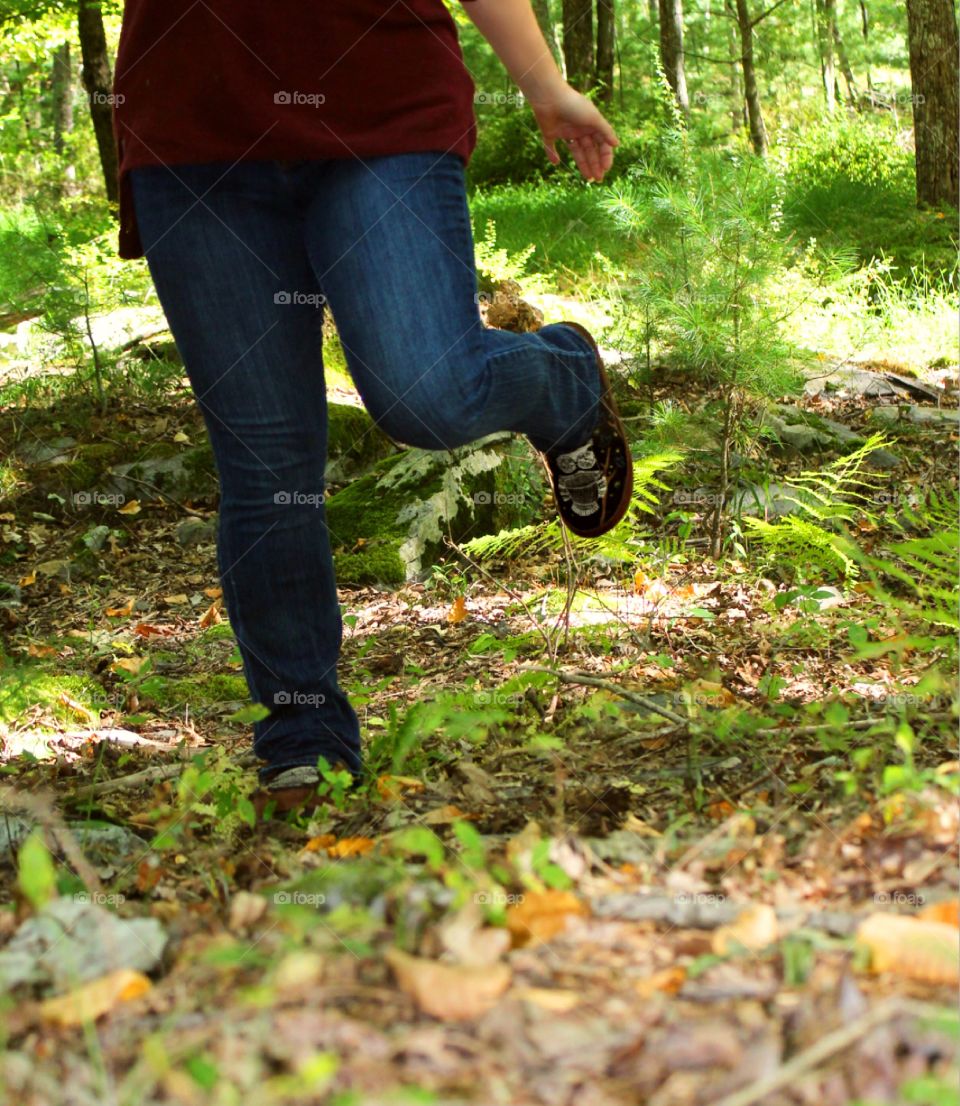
[617, 544]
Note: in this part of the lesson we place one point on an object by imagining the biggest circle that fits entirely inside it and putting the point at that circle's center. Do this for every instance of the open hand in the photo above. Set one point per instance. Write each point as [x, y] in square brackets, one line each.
[569, 115]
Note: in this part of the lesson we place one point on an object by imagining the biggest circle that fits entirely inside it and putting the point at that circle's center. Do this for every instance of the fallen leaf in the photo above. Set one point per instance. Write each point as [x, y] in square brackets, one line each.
[444, 815]
[351, 846]
[557, 1002]
[947, 912]
[213, 593]
[246, 909]
[120, 612]
[77, 709]
[471, 943]
[26, 581]
[458, 612]
[175, 600]
[181, 438]
[324, 841]
[392, 787]
[912, 947]
[128, 664]
[211, 616]
[451, 992]
[131, 508]
[41, 650]
[540, 915]
[145, 629]
[668, 982]
[92, 1000]
[754, 929]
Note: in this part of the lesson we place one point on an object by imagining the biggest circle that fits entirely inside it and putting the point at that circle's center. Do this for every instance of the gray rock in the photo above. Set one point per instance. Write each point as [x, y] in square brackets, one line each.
[195, 531]
[54, 452]
[72, 940]
[770, 502]
[934, 414]
[95, 537]
[884, 413]
[882, 460]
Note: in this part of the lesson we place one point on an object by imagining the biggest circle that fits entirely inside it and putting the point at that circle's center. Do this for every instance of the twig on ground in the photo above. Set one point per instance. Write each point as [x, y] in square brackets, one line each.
[608, 685]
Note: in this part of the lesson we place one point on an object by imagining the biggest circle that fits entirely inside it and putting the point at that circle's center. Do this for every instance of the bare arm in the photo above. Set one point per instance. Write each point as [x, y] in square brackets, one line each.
[511, 29]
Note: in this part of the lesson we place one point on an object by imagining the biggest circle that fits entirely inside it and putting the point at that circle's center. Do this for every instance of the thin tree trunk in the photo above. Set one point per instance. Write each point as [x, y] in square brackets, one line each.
[671, 50]
[934, 71]
[865, 28]
[853, 93]
[606, 29]
[826, 26]
[61, 89]
[738, 106]
[98, 82]
[578, 42]
[541, 9]
[758, 132]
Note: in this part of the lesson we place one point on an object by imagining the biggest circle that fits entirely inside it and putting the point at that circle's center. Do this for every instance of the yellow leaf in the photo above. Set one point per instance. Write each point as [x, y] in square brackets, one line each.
[175, 600]
[26, 581]
[121, 612]
[557, 1002]
[540, 915]
[913, 947]
[131, 508]
[450, 992]
[324, 841]
[92, 1000]
[668, 981]
[128, 664]
[213, 593]
[41, 650]
[754, 929]
[947, 912]
[458, 612]
[181, 437]
[351, 846]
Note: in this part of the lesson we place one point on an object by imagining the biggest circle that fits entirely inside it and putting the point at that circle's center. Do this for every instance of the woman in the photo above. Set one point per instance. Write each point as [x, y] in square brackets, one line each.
[278, 157]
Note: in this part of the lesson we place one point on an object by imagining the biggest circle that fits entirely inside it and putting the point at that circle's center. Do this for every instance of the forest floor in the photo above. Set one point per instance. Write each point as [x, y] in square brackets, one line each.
[629, 836]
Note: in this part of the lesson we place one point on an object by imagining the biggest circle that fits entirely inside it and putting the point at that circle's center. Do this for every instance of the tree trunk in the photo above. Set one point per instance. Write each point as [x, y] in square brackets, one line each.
[758, 132]
[826, 26]
[865, 28]
[61, 92]
[98, 82]
[606, 24]
[541, 9]
[578, 42]
[934, 72]
[671, 50]
[853, 93]
[738, 108]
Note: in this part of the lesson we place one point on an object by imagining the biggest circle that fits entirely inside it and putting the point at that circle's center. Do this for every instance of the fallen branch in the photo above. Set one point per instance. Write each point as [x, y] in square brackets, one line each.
[826, 1047]
[149, 775]
[608, 685]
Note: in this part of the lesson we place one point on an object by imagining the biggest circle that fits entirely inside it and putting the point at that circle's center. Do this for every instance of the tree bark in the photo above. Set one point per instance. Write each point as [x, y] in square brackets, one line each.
[751, 93]
[61, 90]
[826, 26]
[934, 71]
[98, 82]
[606, 29]
[853, 93]
[578, 42]
[541, 9]
[671, 50]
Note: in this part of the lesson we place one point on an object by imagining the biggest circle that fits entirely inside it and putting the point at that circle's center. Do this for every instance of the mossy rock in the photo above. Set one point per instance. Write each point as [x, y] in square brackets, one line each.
[33, 685]
[198, 691]
[389, 525]
[354, 442]
[169, 468]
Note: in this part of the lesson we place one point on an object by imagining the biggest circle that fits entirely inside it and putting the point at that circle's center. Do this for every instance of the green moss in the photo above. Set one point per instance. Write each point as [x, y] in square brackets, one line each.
[221, 632]
[198, 691]
[29, 685]
[362, 513]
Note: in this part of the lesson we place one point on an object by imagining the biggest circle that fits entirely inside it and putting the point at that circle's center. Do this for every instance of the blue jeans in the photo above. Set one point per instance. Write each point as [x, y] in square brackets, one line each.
[244, 257]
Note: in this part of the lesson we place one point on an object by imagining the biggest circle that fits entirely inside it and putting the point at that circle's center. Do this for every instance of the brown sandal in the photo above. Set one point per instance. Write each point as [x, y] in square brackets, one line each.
[592, 484]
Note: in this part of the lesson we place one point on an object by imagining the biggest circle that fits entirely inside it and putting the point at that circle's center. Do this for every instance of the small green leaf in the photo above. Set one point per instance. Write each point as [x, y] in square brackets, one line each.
[255, 712]
[37, 874]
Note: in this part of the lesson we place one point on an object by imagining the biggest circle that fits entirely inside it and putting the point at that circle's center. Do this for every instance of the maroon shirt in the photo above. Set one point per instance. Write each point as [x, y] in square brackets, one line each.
[231, 80]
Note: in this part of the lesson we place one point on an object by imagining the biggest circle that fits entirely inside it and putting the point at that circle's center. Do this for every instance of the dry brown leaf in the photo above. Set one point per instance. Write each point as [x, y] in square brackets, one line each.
[26, 581]
[444, 815]
[145, 629]
[211, 616]
[213, 593]
[120, 612]
[93, 999]
[912, 947]
[131, 508]
[450, 992]
[458, 612]
[315, 844]
[754, 929]
[41, 650]
[471, 943]
[391, 788]
[668, 981]
[557, 1002]
[540, 915]
[175, 600]
[128, 664]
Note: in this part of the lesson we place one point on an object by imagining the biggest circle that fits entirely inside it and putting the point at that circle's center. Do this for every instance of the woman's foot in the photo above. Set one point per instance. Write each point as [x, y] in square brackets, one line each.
[593, 483]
